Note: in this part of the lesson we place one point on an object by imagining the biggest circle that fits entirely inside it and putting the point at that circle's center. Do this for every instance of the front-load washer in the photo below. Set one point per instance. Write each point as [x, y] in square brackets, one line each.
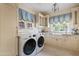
[40, 42]
[27, 45]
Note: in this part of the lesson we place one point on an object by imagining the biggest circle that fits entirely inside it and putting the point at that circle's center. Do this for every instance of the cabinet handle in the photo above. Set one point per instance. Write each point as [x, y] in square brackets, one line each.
[56, 39]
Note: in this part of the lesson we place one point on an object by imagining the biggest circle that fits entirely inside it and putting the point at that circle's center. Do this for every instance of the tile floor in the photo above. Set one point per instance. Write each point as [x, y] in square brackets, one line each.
[55, 51]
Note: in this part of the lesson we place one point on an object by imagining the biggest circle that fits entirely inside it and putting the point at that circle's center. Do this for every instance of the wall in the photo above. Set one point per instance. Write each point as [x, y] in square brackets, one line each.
[8, 35]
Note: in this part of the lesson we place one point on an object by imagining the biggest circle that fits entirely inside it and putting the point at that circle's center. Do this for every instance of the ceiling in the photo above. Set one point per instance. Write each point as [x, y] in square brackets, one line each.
[47, 7]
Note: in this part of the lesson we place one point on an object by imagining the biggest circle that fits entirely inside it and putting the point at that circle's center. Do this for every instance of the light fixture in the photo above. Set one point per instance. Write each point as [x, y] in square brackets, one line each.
[55, 7]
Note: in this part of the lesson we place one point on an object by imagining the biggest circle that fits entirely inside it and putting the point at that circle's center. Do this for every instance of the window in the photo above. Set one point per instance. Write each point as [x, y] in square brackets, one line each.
[24, 15]
[60, 24]
[30, 17]
[20, 14]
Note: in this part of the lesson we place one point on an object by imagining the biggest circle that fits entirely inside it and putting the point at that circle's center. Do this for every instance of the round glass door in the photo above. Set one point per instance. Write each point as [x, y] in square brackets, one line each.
[40, 41]
[29, 47]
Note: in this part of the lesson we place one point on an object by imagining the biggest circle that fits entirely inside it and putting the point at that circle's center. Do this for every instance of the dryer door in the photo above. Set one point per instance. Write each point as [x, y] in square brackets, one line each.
[40, 41]
[29, 47]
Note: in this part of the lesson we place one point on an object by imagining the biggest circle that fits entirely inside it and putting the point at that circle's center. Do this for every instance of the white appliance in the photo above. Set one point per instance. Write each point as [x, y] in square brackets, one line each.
[40, 42]
[27, 43]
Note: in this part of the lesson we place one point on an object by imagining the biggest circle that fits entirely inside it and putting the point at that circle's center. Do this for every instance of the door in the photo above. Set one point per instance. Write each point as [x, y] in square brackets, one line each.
[40, 41]
[29, 46]
[8, 40]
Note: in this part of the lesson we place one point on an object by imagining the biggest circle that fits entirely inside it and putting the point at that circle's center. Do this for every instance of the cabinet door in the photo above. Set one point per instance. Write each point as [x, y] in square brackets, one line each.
[77, 42]
[71, 43]
[8, 40]
[54, 41]
[60, 41]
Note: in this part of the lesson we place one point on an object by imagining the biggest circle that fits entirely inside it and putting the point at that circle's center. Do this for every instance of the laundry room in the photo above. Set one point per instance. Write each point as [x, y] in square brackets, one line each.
[39, 29]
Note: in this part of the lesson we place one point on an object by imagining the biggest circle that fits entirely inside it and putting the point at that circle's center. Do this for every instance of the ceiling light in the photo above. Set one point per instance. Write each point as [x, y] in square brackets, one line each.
[55, 7]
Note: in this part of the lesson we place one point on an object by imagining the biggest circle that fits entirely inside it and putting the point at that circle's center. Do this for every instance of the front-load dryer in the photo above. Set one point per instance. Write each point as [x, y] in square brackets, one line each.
[40, 42]
[27, 45]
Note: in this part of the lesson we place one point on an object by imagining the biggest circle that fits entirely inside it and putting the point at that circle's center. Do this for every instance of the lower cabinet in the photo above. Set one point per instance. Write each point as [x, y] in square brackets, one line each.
[67, 42]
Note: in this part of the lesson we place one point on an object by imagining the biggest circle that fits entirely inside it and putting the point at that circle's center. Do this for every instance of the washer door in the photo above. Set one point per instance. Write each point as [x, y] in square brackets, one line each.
[40, 41]
[29, 47]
